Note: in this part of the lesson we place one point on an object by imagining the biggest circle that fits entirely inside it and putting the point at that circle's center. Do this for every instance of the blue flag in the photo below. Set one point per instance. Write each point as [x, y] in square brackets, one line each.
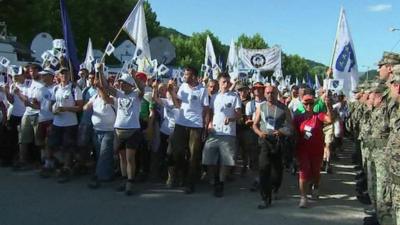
[69, 40]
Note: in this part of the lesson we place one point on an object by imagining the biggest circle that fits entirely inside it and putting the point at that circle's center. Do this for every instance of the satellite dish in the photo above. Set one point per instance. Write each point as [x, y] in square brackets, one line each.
[124, 51]
[41, 43]
[162, 50]
[97, 54]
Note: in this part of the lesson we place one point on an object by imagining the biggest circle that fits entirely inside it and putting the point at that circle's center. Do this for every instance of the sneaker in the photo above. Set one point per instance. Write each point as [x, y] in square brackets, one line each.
[303, 202]
[314, 193]
[189, 189]
[94, 184]
[328, 168]
[121, 187]
[255, 186]
[46, 172]
[129, 188]
[65, 176]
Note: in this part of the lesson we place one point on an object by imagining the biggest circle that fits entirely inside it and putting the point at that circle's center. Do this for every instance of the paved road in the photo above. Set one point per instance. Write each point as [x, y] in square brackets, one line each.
[27, 199]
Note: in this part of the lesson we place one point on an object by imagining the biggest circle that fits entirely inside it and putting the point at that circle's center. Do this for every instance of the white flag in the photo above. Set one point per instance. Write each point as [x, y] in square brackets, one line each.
[4, 61]
[109, 49]
[210, 59]
[344, 57]
[135, 26]
[232, 61]
[89, 56]
[317, 85]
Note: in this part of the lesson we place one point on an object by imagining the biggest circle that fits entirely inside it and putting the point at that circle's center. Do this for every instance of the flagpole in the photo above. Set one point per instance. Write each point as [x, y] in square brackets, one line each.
[335, 44]
[115, 38]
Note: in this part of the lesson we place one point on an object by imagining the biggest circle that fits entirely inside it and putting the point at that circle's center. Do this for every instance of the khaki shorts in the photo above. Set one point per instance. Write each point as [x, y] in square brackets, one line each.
[28, 130]
[328, 134]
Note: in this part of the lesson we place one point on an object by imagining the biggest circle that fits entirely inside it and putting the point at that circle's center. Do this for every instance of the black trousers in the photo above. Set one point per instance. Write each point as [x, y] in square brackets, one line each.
[270, 167]
[10, 151]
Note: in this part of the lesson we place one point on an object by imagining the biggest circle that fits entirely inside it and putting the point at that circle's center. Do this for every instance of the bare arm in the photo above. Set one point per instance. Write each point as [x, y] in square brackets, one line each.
[256, 124]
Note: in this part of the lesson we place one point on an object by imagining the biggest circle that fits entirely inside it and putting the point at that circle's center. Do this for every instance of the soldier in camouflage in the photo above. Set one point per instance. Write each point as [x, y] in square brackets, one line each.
[393, 145]
[378, 156]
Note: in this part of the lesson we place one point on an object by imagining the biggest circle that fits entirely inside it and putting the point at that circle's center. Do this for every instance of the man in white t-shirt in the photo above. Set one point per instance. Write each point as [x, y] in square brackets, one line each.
[253, 149]
[220, 146]
[192, 101]
[66, 103]
[29, 122]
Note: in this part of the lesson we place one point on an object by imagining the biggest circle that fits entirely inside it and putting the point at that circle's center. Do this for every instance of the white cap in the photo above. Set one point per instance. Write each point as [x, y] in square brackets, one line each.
[47, 71]
[127, 78]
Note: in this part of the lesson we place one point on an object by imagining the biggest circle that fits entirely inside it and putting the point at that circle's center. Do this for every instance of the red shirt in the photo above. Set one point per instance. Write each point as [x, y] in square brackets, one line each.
[311, 136]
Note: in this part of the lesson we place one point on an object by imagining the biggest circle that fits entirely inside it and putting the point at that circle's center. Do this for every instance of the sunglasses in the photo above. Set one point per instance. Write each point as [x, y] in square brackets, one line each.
[308, 103]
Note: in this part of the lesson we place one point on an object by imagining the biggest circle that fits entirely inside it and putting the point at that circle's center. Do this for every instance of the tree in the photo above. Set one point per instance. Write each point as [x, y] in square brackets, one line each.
[101, 22]
[254, 42]
[191, 50]
[295, 65]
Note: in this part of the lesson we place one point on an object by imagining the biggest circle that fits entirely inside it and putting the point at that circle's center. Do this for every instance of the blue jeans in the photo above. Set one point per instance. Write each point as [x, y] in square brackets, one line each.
[104, 142]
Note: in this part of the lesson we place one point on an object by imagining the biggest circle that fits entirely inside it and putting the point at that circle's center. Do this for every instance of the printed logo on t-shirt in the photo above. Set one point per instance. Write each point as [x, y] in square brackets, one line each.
[124, 104]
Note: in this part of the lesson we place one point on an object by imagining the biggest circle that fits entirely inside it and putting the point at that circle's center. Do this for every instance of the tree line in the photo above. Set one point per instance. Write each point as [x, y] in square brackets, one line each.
[101, 19]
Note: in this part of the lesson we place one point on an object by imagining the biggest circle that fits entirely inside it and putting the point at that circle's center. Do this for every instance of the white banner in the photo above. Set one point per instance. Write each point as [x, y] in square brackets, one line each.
[261, 59]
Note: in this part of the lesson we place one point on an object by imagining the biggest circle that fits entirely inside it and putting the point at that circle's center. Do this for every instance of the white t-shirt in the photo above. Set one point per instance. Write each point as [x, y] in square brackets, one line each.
[193, 101]
[63, 98]
[128, 108]
[18, 106]
[103, 116]
[45, 95]
[32, 91]
[170, 115]
[251, 107]
[224, 106]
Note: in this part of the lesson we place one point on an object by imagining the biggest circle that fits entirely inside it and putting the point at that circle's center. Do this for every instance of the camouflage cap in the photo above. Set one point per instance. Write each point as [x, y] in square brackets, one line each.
[389, 58]
[378, 87]
[240, 86]
[367, 86]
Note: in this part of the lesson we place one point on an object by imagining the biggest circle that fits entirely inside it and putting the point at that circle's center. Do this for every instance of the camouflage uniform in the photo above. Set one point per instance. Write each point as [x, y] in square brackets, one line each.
[365, 139]
[393, 148]
[378, 157]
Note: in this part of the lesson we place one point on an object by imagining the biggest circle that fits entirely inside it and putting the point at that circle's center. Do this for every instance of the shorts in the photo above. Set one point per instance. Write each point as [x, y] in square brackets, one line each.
[28, 129]
[127, 138]
[85, 135]
[220, 149]
[328, 134]
[43, 132]
[309, 165]
[62, 137]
